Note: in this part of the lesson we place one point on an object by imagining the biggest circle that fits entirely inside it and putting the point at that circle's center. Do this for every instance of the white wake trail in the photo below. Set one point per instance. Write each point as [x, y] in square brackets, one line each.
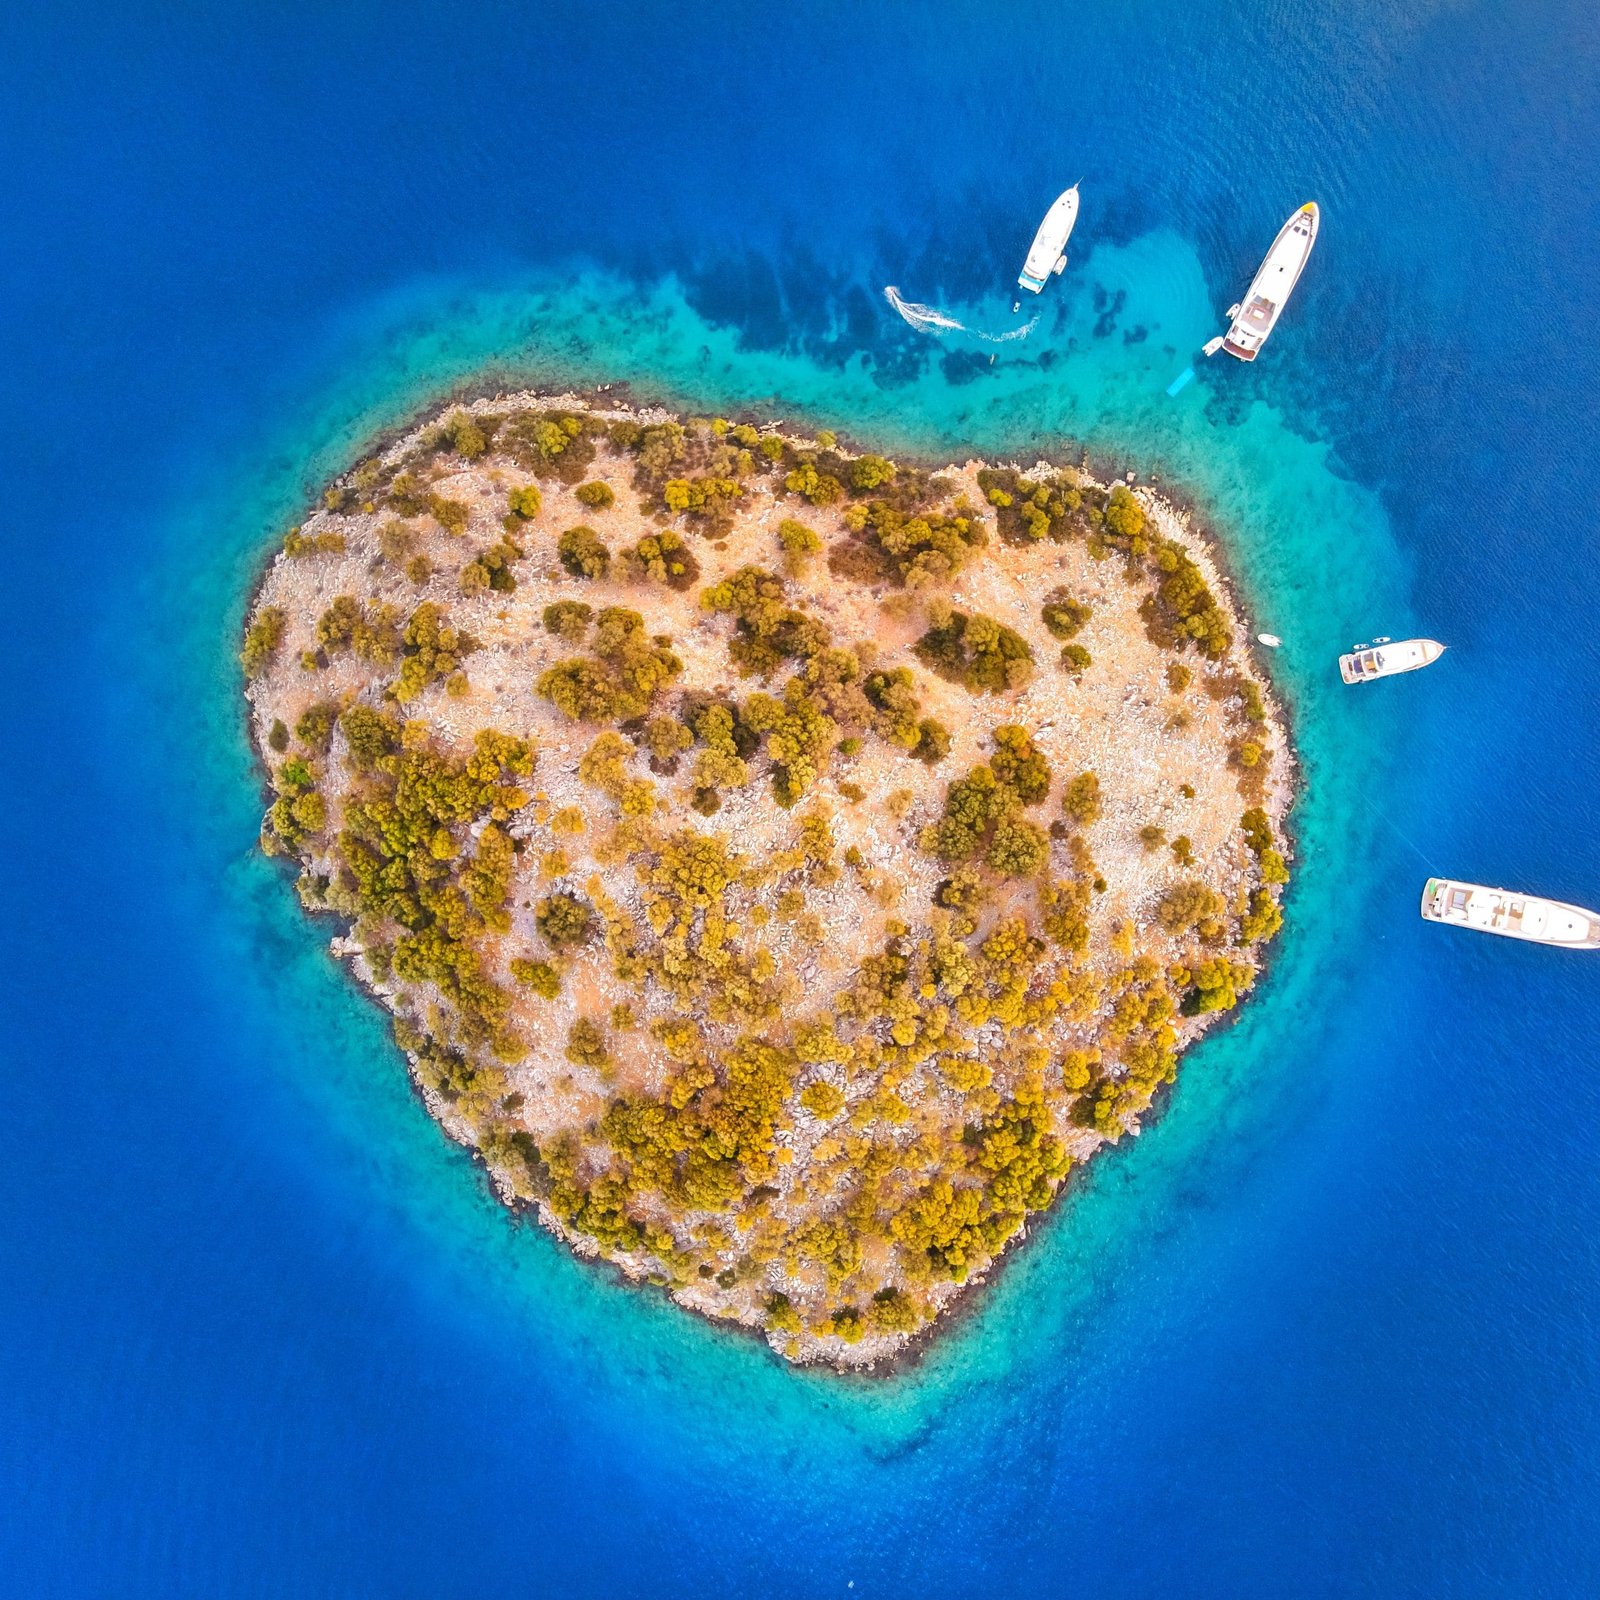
[926, 319]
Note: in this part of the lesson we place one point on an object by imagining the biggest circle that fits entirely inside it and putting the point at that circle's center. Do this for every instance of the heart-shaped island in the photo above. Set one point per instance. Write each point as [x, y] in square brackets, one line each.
[783, 865]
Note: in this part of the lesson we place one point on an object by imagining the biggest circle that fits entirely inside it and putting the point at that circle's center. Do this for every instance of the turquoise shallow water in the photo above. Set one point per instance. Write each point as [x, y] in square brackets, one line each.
[1326, 1328]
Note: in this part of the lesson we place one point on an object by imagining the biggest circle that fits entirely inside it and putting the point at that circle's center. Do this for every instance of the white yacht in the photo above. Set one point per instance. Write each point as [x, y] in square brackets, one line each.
[1385, 658]
[1515, 916]
[1048, 252]
[1257, 314]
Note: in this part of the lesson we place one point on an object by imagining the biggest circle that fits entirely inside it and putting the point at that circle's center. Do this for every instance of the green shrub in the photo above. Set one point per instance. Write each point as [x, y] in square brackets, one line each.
[568, 620]
[1262, 921]
[314, 727]
[1257, 829]
[1063, 616]
[769, 629]
[597, 496]
[1183, 607]
[550, 443]
[933, 741]
[466, 437]
[1217, 984]
[525, 503]
[583, 553]
[1018, 849]
[263, 639]
[491, 568]
[1082, 802]
[620, 680]
[1018, 763]
[982, 811]
[396, 542]
[539, 976]
[565, 920]
[370, 630]
[977, 652]
[820, 488]
[433, 649]
[822, 1099]
[870, 472]
[893, 1311]
[798, 543]
[1027, 511]
[1191, 907]
[921, 547]
[369, 736]
[664, 558]
[1124, 515]
[586, 1044]
[299, 543]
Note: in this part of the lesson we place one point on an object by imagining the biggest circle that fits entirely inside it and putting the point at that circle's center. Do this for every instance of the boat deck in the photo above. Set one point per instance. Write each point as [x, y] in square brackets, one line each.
[1259, 314]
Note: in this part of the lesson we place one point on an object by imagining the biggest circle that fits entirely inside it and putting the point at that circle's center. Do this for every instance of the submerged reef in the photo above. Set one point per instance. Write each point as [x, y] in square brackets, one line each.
[783, 865]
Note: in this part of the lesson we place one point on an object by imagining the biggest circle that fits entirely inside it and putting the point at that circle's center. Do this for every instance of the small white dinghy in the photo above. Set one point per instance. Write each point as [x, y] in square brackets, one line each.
[1385, 658]
[1047, 255]
[1270, 640]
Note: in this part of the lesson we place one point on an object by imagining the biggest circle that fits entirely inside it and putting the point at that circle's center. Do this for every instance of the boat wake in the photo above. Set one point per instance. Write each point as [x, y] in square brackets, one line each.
[930, 319]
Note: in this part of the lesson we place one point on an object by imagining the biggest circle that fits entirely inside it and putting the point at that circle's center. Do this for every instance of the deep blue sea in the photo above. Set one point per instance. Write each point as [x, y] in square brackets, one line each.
[1330, 1326]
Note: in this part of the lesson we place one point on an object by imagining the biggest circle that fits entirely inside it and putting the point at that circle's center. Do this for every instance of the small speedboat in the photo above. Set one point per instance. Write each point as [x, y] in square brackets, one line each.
[1254, 318]
[1384, 658]
[1047, 255]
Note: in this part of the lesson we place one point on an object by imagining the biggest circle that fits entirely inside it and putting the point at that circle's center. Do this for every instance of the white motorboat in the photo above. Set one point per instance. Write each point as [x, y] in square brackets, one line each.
[1257, 314]
[1513, 916]
[1048, 252]
[1385, 658]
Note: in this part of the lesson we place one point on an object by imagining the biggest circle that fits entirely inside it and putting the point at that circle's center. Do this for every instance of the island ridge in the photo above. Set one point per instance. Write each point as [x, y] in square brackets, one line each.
[783, 864]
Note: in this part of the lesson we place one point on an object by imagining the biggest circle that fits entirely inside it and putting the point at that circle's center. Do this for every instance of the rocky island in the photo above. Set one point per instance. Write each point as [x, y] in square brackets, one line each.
[783, 865]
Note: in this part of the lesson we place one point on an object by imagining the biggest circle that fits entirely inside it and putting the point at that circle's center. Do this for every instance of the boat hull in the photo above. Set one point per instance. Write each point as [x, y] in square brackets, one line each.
[1527, 917]
[1389, 660]
[1046, 255]
[1257, 314]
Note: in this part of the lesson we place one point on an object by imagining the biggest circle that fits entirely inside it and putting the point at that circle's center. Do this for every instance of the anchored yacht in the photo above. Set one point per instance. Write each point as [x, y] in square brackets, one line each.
[1048, 252]
[1385, 658]
[1515, 916]
[1257, 314]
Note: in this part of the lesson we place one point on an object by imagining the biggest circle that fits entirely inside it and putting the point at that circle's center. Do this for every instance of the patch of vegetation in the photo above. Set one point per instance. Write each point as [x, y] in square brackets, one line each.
[1183, 609]
[491, 568]
[565, 920]
[1063, 616]
[769, 629]
[1081, 801]
[584, 553]
[551, 444]
[263, 639]
[663, 558]
[619, 680]
[597, 496]
[977, 652]
[1028, 510]
[983, 811]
